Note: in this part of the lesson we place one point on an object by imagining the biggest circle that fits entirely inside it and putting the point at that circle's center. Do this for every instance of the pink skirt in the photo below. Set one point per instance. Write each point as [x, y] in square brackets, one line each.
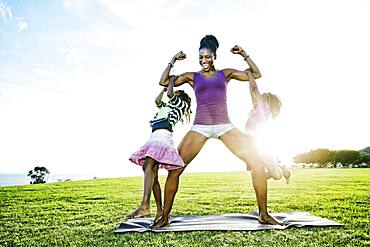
[160, 147]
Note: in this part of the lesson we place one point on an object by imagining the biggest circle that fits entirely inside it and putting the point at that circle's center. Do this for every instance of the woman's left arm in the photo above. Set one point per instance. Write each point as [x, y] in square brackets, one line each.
[242, 75]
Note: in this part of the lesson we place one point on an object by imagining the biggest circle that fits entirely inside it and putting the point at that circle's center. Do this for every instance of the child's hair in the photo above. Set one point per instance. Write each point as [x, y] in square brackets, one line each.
[274, 103]
[185, 97]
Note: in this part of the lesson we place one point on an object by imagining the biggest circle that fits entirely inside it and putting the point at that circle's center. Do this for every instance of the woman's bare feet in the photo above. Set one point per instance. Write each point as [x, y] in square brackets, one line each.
[138, 213]
[267, 219]
[158, 214]
[160, 222]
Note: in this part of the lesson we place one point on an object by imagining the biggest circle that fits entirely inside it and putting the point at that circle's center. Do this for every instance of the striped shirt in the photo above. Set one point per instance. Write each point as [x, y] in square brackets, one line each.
[172, 111]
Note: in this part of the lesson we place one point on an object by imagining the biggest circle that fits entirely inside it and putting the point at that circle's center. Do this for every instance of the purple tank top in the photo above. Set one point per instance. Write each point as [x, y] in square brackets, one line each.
[210, 93]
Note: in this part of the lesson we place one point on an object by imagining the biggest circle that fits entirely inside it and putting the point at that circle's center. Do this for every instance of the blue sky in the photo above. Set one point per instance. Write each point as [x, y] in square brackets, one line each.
[78, 78]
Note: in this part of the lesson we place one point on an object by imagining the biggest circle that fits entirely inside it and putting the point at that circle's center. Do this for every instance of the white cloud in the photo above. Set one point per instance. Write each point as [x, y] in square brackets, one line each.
[5, 12]
[22, 25]
[99, 37]
[74, 4]
[72, 54]
[136, 13]
[46, 72]
[18, 45]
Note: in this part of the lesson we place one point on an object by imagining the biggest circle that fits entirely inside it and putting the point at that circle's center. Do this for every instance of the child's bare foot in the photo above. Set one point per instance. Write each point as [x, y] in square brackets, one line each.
[286, 173]
[160, 222]
[274, 171]
[138, 213]
[267, 219]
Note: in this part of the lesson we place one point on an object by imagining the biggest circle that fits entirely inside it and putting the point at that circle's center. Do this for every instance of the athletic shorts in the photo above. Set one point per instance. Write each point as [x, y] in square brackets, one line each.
[212, 131]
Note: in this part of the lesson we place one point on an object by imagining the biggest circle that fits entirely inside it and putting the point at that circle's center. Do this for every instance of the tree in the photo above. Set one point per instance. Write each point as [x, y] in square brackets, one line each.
[365, 151]
[38, 174]
[365, 159]
[301, 158]
[347, 157]
[319, 156]
[326, 158]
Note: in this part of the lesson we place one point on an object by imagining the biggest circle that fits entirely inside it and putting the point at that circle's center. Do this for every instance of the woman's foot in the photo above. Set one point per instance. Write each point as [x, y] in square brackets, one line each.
[267, 219]
[138, 213]
[286, 173]
[158, 214]
[162, 221]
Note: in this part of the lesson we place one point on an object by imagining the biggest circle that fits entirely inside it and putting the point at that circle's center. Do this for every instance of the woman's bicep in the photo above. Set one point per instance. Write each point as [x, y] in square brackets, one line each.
[235, 74]
[181, 79]
[184, 78]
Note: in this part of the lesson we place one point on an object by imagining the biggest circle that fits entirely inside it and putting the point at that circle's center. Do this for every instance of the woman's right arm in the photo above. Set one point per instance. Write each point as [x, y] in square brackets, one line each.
[187, 77]
[181, 79]
[255, 93]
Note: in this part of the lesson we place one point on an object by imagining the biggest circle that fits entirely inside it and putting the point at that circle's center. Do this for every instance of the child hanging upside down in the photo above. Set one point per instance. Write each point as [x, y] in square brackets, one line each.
[264, 105]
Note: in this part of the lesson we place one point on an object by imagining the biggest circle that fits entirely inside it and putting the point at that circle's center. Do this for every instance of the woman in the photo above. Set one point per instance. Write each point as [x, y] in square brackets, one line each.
[212, 121]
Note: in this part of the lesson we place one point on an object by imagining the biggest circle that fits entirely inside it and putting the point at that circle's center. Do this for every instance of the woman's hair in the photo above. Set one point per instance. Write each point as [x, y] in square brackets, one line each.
[274, 103]
[209, 42]
[185, 97]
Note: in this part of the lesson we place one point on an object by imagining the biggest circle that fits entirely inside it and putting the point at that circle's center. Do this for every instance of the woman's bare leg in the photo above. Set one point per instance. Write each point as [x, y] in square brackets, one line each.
[144, 208]
[157, 193]
[189, 147]
[244, 148]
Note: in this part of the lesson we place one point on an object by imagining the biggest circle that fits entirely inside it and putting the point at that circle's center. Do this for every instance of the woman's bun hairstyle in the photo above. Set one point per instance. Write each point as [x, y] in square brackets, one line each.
[209, 42]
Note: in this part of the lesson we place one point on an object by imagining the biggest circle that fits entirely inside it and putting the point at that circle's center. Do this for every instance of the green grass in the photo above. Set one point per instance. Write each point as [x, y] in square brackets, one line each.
[86, 213]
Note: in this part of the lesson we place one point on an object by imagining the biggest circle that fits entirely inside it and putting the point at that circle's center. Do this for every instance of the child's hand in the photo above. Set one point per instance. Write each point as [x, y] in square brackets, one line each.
[249, 72]
[172, 78]
[180, 56]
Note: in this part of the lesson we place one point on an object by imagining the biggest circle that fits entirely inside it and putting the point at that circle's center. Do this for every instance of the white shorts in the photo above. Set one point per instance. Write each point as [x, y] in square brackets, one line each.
[212, 131]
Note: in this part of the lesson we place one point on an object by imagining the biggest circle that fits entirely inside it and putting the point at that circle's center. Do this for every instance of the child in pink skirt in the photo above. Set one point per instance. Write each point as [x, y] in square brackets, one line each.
[159, 151]
[264, 105]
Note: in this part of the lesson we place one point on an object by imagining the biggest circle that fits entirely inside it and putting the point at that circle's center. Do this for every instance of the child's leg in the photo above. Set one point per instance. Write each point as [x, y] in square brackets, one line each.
[157, 193]
[272, 169]
[144, 208]
[286, 173]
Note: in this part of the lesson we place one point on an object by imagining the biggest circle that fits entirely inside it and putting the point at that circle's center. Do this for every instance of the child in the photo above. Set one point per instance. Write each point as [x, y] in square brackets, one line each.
[159, 151]
[264, 105]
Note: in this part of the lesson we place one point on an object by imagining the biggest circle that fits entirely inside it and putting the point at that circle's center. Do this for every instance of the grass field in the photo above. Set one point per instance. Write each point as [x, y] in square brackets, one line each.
[86, 213]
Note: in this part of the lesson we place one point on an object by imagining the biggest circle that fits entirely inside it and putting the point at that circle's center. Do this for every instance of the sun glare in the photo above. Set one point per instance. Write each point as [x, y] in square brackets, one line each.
[270, 144]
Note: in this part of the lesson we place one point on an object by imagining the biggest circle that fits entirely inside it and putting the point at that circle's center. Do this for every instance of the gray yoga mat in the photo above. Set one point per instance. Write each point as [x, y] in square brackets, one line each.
[226, 222]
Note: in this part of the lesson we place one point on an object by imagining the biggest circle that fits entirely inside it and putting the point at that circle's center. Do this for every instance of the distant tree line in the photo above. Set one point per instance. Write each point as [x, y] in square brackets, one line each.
[323, 157]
